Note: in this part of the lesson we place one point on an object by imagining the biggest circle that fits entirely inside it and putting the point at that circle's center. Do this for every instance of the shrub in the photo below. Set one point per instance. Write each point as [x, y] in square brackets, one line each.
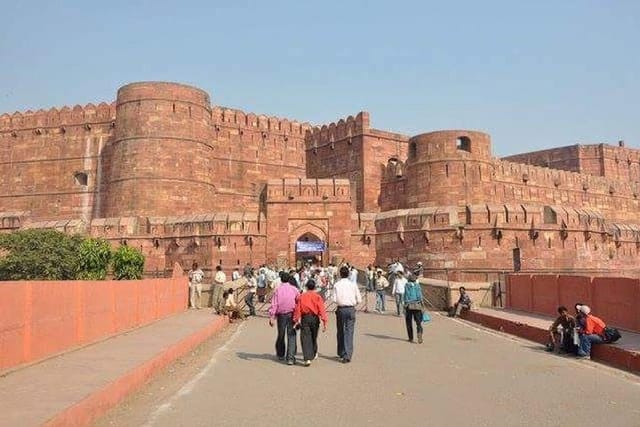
[128, 263]
[95, 256]
[39, 255]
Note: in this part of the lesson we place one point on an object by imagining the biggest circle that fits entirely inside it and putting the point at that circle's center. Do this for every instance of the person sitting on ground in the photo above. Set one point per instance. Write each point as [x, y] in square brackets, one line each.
[464, 303]
[560, 332]
[591, 330]
[231, 308]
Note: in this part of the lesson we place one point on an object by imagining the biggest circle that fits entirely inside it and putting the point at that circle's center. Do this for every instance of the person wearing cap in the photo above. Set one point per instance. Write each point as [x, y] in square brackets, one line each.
[591, 330]
[381, 285]
[347, 296]
[418, 271]
[412, 300]
[309, 311]
[398, 291]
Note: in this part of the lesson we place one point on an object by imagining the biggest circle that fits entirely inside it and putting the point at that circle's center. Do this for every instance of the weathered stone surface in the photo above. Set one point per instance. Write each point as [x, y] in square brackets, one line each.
[164, 170]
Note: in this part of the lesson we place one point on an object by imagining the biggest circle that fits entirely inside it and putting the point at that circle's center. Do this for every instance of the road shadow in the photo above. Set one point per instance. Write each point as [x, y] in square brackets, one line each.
[330, 358]
[257, 356]
[385, 337]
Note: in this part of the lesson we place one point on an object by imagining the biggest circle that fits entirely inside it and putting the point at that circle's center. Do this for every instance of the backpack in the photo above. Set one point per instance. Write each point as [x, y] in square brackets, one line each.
[611, 334]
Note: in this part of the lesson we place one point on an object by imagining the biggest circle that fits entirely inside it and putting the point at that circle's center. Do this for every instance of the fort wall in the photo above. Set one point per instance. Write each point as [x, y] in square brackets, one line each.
[317, 208]
[351, 149]
[249, 150]
[163, 170]
[613, 162]
[160, 160]
[50, 161]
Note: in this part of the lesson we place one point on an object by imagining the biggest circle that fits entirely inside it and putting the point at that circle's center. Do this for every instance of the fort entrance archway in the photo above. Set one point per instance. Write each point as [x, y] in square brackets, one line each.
[310, 249]
[308, 245]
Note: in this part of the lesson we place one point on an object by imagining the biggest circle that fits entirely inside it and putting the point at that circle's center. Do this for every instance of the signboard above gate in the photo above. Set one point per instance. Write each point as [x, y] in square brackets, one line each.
[312, 246]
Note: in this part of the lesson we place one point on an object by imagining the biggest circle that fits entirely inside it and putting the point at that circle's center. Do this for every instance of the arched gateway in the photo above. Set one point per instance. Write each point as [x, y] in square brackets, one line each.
[309, 220]
[310, 249]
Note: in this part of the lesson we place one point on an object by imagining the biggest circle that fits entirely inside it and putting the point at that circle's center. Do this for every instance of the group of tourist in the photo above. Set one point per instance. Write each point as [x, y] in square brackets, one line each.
[577, 334]
[299, 297]
[292, 310]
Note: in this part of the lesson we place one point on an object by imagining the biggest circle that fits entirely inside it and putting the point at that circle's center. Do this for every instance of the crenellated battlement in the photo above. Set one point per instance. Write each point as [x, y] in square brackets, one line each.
[562, 180]
[233, 118]
[54, 117]
[319, 136]
[304, 190]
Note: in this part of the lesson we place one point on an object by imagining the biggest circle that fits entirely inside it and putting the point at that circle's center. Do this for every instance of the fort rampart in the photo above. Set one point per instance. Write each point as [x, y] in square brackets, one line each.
[164, 169]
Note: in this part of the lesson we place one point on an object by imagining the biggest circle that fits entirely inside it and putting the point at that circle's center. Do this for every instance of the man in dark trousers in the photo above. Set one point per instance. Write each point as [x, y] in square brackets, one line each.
[310, 310]
[347, 296]
[283, 302]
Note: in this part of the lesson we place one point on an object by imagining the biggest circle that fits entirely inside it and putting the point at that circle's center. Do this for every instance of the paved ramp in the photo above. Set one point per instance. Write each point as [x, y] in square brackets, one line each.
[460, 376]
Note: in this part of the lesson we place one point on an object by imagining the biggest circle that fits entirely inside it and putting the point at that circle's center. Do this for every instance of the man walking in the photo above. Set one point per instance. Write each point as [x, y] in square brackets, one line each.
[381, 285]
[283, 302]
[347, 296]
[398, 291]
[309, 311]
[252, 287]
[195, 285]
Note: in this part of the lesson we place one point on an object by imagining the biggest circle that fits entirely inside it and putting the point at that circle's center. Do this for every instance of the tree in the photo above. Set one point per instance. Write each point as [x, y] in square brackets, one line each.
[128, 263]
[39, 255]
[95, 256]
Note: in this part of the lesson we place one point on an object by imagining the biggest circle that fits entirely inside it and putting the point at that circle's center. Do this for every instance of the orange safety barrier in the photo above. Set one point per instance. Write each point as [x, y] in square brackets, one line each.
[613, 299]
[42, 318]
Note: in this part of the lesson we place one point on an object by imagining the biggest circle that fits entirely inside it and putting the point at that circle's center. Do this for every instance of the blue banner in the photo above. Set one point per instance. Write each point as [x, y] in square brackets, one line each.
[313, 246]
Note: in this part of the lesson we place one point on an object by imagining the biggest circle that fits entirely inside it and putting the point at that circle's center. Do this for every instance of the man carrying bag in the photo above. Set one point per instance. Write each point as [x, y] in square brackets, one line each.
[413, 307]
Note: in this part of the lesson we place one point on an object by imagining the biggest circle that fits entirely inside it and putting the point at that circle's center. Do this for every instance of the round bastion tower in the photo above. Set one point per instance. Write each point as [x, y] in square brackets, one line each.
[161, 154]
[448, 168]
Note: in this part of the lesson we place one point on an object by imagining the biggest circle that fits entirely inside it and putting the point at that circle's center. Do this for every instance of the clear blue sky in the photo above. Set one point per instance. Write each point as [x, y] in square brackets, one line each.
[534, 74]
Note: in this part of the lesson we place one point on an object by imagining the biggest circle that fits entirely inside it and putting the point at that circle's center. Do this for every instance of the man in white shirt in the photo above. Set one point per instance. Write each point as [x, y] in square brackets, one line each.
[398, 291]
[347, 296]
[353, 275]
[195, 285]
[220, 278]
[235, 275]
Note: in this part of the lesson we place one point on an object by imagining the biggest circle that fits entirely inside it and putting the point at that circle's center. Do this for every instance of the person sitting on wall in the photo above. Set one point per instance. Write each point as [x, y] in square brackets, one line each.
[591, 330]
[464, 303]
[560, 332]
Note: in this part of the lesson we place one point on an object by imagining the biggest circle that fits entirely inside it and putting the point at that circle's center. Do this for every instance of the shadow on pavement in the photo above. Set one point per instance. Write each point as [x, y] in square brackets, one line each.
[257, 356]
[385, 337]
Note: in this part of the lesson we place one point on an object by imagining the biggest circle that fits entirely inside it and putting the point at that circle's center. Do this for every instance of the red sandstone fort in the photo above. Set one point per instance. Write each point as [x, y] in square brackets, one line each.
[164, 170]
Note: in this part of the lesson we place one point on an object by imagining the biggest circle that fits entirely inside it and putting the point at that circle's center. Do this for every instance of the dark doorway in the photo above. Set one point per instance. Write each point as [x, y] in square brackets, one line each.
[310, 250]
[517, 263]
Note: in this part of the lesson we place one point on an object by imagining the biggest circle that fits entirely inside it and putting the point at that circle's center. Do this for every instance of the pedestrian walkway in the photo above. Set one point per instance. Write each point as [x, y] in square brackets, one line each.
[72, 388]
[460, 376]
[624, 354]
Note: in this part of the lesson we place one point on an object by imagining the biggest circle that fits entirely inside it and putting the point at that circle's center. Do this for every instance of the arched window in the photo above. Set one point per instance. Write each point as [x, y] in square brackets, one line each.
[463, 143]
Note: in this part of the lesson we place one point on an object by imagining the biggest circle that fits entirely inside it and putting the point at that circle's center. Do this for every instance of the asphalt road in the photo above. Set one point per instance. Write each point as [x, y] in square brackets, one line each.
[460, 376]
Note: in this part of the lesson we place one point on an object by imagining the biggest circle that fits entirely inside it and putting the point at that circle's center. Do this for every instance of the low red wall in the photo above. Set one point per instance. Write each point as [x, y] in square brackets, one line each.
[38, 319]
[613, 299]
